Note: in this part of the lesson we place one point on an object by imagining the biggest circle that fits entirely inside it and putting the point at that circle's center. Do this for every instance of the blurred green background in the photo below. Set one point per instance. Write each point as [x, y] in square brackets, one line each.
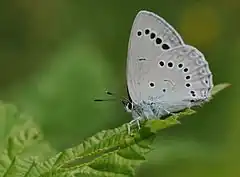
[57, 56]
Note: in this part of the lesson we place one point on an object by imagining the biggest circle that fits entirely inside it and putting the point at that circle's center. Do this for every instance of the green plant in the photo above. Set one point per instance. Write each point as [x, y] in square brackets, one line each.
[24, 153]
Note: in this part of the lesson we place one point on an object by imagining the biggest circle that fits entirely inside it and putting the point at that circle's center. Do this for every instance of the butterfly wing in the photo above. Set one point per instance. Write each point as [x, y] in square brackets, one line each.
[181, 78]
[150, 37]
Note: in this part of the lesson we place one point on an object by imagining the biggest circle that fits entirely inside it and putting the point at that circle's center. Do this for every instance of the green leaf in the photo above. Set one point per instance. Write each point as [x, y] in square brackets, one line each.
[22, 142]
[115, 148]
[219, 88]
[108, 153]
[112, 152]
[156, 125]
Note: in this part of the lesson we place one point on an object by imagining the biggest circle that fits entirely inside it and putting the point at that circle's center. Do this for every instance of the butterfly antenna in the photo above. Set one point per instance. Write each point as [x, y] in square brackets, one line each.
[110, 93]
[98, 100]
[124, 100]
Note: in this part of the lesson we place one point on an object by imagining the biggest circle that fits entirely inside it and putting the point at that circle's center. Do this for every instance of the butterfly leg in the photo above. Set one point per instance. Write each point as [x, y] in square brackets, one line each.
[132, 122]
[138, 123]
[170, 113]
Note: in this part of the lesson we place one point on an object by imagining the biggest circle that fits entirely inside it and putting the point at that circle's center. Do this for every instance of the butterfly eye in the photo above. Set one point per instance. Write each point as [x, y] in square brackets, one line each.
[129, 106]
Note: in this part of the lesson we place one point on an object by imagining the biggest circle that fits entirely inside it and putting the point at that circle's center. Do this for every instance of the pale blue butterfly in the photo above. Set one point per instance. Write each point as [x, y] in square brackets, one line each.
[164, 75]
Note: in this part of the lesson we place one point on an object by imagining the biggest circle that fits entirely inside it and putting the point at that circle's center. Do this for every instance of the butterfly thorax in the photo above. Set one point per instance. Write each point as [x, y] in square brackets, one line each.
[148, 110]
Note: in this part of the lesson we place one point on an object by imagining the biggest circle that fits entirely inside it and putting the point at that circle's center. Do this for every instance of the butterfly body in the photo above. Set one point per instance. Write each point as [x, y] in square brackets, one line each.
[149, 110]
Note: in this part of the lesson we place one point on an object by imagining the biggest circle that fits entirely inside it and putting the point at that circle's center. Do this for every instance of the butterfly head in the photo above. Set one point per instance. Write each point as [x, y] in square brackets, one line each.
[128, 105]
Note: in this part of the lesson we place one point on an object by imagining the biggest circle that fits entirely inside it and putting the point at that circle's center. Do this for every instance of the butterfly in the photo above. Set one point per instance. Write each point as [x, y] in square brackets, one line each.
[164, 75]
